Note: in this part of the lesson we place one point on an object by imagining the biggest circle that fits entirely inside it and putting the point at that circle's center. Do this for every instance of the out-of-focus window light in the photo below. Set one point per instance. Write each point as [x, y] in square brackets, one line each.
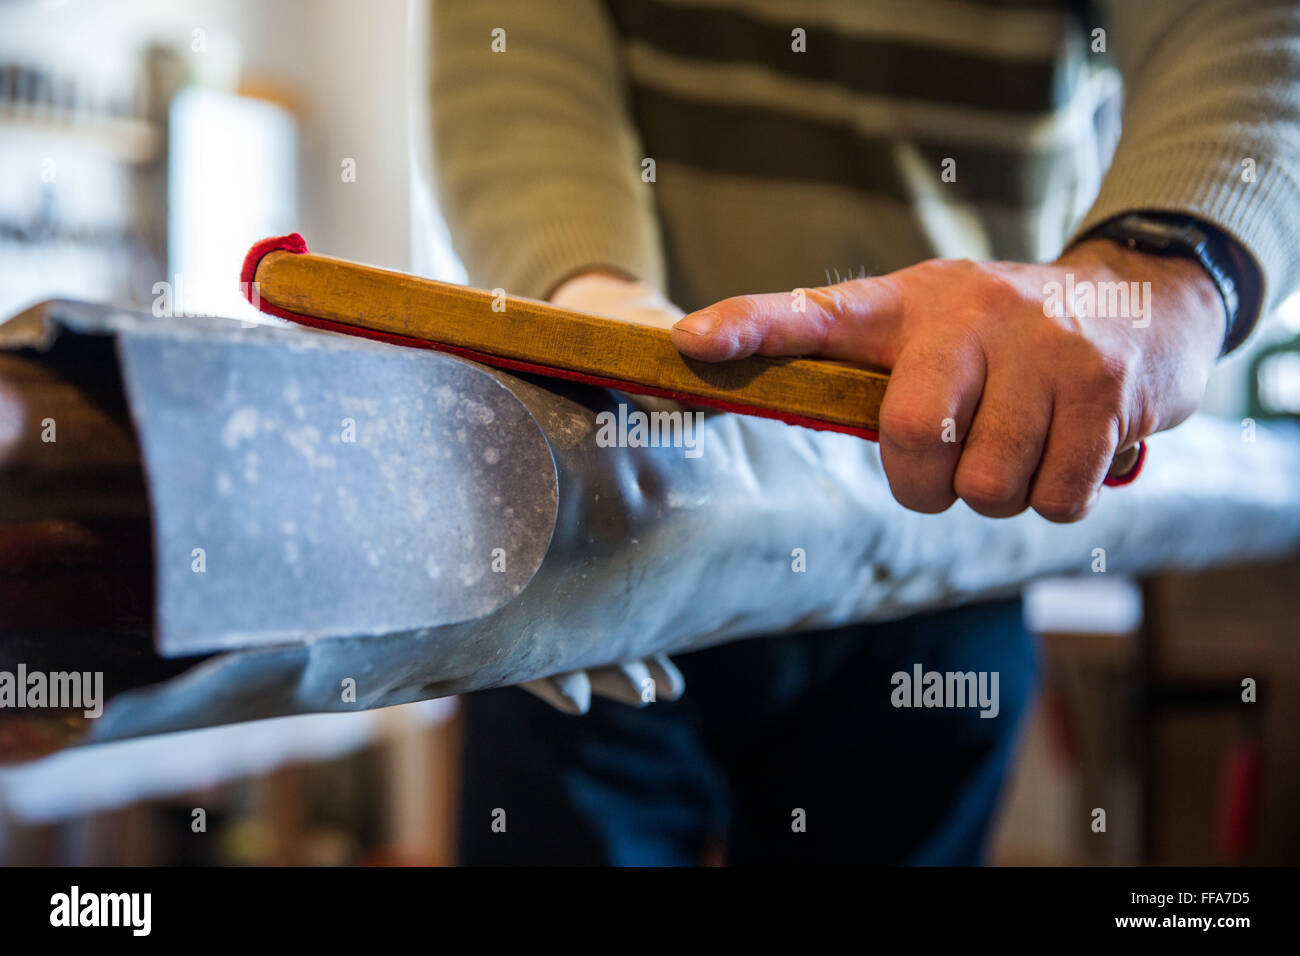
[232, 171]
[1279, 382]
[1083, 605]
[1275, 365]
[1288, 313]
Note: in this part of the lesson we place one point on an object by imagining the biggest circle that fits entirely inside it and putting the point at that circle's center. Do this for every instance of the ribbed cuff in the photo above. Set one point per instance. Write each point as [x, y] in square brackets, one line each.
[1206, 182]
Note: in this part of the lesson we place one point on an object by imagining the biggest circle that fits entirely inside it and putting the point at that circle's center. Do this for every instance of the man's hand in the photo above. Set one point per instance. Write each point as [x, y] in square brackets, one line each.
[1012, 385]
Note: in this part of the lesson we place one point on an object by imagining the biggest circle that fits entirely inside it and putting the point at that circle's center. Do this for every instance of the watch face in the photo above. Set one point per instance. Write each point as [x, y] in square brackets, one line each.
[1160, 234]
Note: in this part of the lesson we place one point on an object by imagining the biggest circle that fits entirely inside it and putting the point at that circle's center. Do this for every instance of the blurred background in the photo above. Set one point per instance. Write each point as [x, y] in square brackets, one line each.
[150, 138]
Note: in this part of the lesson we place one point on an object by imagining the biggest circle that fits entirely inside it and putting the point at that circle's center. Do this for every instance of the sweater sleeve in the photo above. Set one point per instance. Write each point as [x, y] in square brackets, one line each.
[1212, 126]
[536, 160]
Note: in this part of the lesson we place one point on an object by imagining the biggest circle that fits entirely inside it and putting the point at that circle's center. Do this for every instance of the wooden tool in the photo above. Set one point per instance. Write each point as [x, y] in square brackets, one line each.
[282, 278]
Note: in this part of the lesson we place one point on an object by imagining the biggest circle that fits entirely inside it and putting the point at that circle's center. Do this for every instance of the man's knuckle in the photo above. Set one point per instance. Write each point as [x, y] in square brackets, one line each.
[745, 319]
[926, 501]
[1060, 504]
[987, 488]
[911, 429]
[830, 300]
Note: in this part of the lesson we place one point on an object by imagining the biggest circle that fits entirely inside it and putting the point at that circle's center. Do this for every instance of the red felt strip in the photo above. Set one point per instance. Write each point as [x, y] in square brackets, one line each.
[295, 244]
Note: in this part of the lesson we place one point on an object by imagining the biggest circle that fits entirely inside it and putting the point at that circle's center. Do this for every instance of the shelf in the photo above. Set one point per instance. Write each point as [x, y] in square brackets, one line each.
[126, 139]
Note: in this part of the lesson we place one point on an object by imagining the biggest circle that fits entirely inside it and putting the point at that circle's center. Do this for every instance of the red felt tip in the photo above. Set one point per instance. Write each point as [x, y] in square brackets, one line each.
[296, 244]
[248, 274]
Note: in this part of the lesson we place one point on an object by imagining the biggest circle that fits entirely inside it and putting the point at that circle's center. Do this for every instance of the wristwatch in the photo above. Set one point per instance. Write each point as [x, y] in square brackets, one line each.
[1175, 234]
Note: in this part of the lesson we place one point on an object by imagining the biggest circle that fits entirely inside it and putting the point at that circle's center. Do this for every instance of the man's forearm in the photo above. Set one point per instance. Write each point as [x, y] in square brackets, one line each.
[1212, 130]
[536, 161]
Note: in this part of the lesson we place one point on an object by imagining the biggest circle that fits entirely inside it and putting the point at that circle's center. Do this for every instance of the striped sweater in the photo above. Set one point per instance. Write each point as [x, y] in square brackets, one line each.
[723, 147]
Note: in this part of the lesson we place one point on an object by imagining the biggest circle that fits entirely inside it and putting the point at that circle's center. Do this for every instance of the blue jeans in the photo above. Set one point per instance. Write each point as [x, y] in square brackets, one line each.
[771, 731]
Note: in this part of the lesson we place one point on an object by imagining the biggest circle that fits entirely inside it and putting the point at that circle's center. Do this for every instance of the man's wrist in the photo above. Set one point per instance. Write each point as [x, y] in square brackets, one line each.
[1176, 235]
[585, 277]
[606, 293]
[1178, 286]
